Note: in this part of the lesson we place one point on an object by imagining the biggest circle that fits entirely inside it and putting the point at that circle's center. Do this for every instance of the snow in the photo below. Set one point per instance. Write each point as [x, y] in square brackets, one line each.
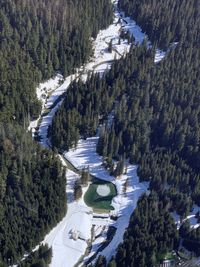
[46, 87]
[103, 190]
[85, 155]
[124, 203]
[159, 55]
[66, 251]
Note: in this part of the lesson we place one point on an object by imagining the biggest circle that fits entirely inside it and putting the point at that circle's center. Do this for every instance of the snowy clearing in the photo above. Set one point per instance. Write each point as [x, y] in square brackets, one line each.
[66, 250]
[124, 203]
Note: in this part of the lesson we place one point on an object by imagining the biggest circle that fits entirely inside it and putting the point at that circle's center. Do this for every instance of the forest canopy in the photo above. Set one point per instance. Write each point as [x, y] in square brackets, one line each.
[156, 113]
[37, 39]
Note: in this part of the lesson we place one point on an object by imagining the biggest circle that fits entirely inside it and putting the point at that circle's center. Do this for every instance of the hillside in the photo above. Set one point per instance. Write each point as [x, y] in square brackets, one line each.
[37, 39]
[155, 124]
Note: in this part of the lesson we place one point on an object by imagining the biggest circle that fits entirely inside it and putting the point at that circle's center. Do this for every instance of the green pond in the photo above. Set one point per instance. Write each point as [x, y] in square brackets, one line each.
[100, 194]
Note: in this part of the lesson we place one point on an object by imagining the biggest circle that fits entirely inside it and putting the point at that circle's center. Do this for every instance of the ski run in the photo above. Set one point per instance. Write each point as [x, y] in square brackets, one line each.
[80, 220]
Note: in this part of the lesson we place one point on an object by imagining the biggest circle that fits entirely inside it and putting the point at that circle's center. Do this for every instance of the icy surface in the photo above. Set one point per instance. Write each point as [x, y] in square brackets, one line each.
[103, 190]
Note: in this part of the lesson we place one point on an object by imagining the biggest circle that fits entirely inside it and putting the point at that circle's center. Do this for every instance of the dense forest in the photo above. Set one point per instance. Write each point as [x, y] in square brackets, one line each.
[151, 232]
[39, 258]
[155, 120]
[156, 116]
[32, 192]
[165, 21]
[37, 39]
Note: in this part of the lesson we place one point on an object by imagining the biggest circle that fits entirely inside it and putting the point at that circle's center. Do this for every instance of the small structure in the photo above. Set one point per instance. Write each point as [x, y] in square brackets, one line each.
[167, 263]
[166, 259]
[75, 235]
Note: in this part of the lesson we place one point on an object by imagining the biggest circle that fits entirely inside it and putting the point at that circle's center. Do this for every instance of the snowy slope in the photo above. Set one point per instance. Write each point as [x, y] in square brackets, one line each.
[66, 252]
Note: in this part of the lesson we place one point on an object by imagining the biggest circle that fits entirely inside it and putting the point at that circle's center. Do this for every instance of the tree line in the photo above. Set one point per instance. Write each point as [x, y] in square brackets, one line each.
[32, 193]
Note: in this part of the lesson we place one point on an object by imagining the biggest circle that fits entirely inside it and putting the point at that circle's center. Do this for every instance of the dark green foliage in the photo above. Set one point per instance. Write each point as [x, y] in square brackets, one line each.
[39, 258]
[84, 107]
[32, 192]
[165, 21]
[156, 120]
[38, 38]
[119, 168]
[151, 231]
[191, 238]
[77, 190]
[101, 262]
[85, 176]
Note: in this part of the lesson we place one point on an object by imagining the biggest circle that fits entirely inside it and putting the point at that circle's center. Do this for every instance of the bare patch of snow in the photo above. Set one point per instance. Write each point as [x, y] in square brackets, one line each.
[103, 190]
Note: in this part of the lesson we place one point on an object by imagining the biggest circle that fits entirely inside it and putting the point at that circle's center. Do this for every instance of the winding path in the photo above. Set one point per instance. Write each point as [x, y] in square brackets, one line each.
[100, 62]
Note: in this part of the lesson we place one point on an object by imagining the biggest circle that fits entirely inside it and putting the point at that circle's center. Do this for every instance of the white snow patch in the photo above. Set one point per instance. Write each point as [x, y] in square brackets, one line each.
[66, 250]
[103, 190]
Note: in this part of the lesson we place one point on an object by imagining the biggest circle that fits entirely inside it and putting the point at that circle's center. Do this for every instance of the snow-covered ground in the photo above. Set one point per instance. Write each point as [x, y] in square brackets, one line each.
[45, 88]
[66, 250]
[80, 218]
[124, 203]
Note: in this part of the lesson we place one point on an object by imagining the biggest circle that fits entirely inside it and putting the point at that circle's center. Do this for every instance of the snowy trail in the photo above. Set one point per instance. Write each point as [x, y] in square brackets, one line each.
[49, 92]
[66, 251]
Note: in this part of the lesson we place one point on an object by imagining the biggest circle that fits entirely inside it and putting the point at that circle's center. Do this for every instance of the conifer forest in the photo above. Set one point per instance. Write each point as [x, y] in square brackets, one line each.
[144, 113]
